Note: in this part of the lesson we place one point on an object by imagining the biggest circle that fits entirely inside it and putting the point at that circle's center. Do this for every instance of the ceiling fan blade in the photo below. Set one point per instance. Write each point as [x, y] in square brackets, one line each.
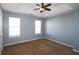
[48, 5]
[47, 9]
[36, 9]
[37, 5]
[42, 5]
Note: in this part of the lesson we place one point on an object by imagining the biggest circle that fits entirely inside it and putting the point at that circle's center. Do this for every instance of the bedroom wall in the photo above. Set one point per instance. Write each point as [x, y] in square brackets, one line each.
[1, 30]
[64, 28]
[27, 28]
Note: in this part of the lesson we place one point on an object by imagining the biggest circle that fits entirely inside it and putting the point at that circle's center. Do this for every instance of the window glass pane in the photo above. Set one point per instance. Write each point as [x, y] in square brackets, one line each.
[14, 26]
[14, 21]
[37, 26]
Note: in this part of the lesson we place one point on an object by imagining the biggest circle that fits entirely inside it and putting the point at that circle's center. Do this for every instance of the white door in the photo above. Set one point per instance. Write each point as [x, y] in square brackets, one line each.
[1, 33]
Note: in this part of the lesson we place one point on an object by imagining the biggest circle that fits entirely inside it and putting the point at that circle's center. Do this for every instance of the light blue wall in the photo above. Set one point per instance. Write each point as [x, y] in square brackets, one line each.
[64, 28]
[1, 30]
[76, 35]
[27, 28]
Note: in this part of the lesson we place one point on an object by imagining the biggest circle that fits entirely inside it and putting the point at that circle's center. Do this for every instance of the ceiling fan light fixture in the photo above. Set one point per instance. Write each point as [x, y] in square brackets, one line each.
[41, 9]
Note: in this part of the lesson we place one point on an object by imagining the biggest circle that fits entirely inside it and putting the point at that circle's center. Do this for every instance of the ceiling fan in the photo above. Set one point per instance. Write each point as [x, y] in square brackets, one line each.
[43, 7]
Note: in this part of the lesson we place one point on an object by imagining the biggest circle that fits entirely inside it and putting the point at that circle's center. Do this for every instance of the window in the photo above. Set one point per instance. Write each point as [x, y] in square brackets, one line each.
[37, 26]
[14, 27]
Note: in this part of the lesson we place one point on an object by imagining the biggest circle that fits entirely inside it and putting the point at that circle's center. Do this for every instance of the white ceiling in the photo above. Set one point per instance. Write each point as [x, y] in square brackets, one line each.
[27, 8]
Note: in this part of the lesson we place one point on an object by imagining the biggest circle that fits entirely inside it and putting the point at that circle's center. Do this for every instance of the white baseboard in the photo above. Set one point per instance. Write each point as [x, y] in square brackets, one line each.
[22, 41]
[75, 50]
[60, 42]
